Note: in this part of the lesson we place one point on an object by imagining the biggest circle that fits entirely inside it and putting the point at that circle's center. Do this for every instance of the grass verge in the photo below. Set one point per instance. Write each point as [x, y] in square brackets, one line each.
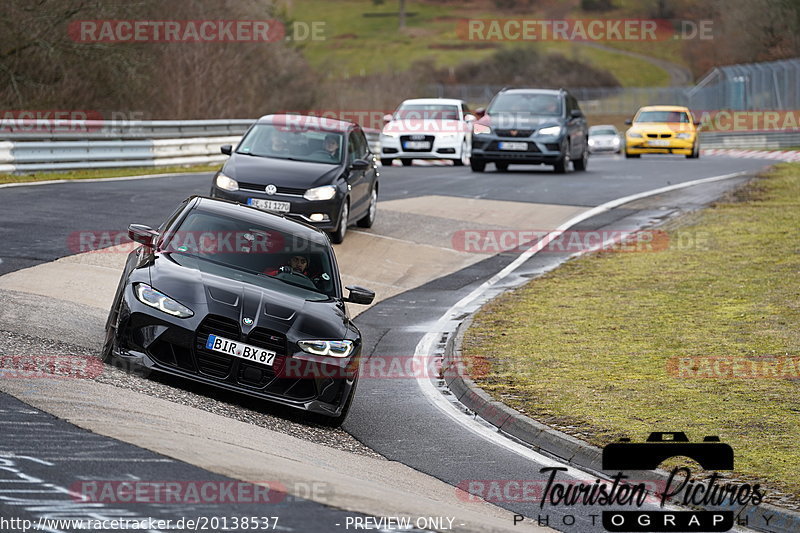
[588, 348]
[103, 173]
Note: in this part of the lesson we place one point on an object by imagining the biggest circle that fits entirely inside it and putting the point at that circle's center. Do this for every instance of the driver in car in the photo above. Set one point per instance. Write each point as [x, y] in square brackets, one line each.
[332, 146]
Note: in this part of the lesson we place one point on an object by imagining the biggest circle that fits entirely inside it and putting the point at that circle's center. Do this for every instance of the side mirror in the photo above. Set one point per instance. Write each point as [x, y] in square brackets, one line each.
[469, 117]
[142, 234]
[576, 113]
[387, 118]
[359, 295]
[629, 122]
[359, 164]
[480, 112]
[226, 149]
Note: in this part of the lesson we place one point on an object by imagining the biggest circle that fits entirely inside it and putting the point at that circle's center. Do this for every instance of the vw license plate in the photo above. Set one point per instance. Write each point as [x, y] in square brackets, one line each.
[659, 142]
[270, 205]
[512, 146]
[417, 145]
[240, 350]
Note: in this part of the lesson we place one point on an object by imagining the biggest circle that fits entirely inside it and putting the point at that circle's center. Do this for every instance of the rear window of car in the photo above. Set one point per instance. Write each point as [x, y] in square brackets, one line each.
[602, 131]
[427, 112]
[662, 116]
[529, 103]
[231, 247]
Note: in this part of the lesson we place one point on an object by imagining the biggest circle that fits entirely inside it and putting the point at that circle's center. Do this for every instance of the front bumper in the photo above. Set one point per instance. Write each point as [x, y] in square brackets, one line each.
[634, 145]
[152, 342]
[545, 150]
[440, 147]
[301, 209]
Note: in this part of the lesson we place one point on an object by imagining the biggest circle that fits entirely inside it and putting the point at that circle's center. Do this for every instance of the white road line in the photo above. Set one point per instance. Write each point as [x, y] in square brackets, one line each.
[471, 302]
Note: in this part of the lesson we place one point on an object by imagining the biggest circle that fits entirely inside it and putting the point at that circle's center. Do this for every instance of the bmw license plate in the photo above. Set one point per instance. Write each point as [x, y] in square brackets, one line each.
[659, 142]
[417, 145]
[512, 146]
[240, 349]
[270, 205]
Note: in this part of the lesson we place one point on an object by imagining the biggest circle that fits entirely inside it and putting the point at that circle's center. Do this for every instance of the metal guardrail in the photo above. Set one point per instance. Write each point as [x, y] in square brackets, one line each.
[42, 145]
[750, 139]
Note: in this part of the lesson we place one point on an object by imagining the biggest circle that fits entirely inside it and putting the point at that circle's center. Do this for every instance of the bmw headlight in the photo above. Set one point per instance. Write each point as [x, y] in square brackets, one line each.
[481, 129]
[331, 348]
[683, 136]
[149, 296]
[326, 192]
[634, 135]
[552, 130]
[226, 183]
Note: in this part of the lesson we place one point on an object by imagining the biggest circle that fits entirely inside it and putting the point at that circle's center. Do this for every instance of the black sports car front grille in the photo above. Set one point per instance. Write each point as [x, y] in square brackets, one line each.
[513, 133]
[215, 364]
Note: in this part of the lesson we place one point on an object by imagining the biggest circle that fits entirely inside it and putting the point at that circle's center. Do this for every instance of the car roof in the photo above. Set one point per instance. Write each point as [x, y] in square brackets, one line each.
[555, 92]
[257, 216]
[307, 121]
[598, 126]
[664, 108]
[446, 101]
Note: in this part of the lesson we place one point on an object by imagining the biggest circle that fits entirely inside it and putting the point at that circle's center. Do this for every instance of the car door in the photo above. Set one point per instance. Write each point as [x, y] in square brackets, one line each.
[358, 180]
[576, 127]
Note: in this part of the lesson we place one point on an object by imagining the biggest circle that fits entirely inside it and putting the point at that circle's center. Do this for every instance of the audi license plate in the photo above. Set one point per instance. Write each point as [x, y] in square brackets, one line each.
[270, 205]
[512, 146]
[417, 145]
[240, 350]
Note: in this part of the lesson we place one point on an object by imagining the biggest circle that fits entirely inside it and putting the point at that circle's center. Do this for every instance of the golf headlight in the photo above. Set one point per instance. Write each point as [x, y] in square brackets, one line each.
[326, 192]
[331, 348]
[634, 135]
[226, 183]
[683, 136]
[481, 129]
[149, 296]
[552, 130]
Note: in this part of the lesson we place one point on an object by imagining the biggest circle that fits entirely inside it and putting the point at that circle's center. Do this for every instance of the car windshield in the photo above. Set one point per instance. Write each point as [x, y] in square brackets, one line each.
[295, 143]
[427, 112]
[662, 116]
[232, 247]
[602, 131]
[527, 103]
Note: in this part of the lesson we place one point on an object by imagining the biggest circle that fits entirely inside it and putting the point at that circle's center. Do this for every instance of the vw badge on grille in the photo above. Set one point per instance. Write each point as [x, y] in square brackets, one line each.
[247, 321]
[270, 189]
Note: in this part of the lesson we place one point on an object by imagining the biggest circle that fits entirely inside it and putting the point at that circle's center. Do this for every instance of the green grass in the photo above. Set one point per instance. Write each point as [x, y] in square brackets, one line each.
[103, 173]
[357, 45]
[586, 347]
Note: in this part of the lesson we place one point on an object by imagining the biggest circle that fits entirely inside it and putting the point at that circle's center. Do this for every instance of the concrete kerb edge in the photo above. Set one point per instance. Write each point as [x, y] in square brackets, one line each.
[556, 443]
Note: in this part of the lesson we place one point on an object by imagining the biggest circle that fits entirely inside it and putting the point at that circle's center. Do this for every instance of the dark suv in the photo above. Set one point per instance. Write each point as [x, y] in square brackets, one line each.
[531, 126]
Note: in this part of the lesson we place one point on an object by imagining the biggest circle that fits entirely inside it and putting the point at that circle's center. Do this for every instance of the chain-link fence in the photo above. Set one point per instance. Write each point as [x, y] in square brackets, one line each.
[756, 86]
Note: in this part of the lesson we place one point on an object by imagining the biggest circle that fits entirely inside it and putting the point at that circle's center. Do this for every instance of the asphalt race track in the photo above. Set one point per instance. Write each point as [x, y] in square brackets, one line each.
[420, 208]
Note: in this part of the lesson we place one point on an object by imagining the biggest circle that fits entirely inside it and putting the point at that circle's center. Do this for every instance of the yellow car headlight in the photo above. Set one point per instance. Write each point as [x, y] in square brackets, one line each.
[634, 135]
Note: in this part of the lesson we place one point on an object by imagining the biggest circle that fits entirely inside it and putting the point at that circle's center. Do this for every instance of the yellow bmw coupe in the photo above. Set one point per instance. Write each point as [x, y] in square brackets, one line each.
[663, 129]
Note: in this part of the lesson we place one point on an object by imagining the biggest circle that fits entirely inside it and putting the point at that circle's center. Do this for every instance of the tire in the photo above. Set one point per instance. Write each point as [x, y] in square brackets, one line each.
[460, 161]
[695, 151]
[501, 167]
[386, 161]
[369, 219]
[561, 166]
[337, 236]
[477, 165]
[581, 163]
[407, 162]
[107, 352]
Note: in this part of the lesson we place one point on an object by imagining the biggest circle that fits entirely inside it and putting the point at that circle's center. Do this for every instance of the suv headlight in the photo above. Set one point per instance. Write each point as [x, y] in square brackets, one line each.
[481, 129]
[326, 192]
[157, 299]
[331, 348]
[226, 183]
[683, 136]
[551, 130]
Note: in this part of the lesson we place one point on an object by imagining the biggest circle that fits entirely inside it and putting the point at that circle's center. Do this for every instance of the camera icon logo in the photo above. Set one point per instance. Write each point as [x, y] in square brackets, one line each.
[711, 454]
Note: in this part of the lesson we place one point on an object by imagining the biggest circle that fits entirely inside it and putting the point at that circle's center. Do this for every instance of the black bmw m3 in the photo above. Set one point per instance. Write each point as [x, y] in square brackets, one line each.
[241, 299]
